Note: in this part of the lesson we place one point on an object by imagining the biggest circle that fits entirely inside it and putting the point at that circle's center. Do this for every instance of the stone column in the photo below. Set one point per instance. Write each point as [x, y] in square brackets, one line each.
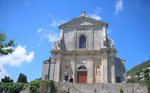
[73, 67]
[91, 70]
[105, 67]
[57, 73]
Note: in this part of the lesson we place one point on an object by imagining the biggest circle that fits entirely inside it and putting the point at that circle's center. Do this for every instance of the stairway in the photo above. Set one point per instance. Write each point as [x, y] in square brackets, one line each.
[101, 88]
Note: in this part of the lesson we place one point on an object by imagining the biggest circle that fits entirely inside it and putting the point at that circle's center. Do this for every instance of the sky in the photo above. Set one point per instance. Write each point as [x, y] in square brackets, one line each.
[33, 24]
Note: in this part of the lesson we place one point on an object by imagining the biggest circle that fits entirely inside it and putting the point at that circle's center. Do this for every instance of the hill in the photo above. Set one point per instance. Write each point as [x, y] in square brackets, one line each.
[139, 68]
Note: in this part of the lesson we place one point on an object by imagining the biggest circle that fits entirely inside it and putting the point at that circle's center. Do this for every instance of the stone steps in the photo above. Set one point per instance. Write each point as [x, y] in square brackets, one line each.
[102, 88]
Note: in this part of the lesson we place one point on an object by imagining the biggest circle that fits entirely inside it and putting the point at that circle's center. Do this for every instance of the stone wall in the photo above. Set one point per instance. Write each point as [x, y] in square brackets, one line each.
[102, 88]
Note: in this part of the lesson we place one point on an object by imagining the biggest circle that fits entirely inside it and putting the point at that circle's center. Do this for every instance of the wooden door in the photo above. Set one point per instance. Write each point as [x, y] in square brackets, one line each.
[82, 77]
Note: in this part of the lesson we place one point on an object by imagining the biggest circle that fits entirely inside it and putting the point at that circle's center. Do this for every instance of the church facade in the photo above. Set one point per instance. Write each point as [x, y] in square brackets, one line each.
[85, 53]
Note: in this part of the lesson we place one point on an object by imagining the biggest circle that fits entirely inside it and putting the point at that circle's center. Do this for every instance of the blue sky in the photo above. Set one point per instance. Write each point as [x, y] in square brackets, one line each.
[34, 26]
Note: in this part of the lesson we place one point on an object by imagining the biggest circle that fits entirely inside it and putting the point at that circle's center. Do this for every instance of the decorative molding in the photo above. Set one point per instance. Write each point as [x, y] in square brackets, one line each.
[91, 59]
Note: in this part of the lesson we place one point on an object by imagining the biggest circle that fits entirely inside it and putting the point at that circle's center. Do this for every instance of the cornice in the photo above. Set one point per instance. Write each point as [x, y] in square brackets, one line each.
[84, 52]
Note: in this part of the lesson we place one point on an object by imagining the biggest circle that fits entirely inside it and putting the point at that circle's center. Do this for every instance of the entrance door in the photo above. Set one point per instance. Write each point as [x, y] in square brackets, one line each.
[82, 77]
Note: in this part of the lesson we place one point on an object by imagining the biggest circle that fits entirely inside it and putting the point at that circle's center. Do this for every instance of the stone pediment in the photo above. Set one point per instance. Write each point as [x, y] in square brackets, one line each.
[83, 20]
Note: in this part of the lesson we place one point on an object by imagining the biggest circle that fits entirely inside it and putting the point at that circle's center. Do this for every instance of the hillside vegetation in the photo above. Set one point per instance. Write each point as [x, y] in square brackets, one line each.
[138, 68]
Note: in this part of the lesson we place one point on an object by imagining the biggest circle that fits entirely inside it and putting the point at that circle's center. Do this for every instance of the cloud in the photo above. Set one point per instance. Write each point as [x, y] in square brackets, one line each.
[119, 6]
[95, 16]
[51, 36]
[48, 34]
[27, 3]
[51, 31]
[40, 30]
[56, 23]
[3, 72]
[96, 13]
[19, 56]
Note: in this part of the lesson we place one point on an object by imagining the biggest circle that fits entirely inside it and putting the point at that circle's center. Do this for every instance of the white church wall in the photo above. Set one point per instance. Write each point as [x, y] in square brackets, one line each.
[45, 71]
[95, 57]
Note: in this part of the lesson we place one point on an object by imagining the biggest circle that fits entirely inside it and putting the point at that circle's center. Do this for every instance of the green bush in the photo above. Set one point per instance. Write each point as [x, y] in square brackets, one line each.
[148, 85]
[12, 87]
[48, 84]
[146, 76]
[130, 80]
[35, 86]
[45, 85]
[146, 70]
[67, 91]
[138, 73]
[95, 90]
[121, 90]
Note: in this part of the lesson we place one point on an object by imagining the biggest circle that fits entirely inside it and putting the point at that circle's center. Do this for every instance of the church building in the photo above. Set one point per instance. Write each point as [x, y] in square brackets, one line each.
[85, 53]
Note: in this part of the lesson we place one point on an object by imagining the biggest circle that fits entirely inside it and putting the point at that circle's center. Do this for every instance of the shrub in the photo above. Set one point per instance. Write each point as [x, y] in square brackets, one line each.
[139, 78]
[146, 76]
[146, 70]
[130, 80]
[45, 86]
[95, 90]
[148, 85]
[35, 86]
[12, 87]
[121, 90]
[138, 73]
[67, 91]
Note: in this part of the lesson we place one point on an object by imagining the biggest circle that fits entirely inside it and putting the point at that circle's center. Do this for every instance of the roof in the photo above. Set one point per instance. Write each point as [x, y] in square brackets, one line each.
[46, 61]
[83, 15]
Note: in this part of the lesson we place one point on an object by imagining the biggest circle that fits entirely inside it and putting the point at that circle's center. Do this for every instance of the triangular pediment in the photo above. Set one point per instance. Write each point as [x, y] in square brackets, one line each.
[83, 20]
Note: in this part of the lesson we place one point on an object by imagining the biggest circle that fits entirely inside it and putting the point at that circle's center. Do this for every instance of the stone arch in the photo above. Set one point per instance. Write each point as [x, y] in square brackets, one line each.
[81, 68]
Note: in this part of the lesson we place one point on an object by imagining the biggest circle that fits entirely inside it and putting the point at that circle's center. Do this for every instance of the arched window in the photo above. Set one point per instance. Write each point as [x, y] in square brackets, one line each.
[81, 68]
[82, 42]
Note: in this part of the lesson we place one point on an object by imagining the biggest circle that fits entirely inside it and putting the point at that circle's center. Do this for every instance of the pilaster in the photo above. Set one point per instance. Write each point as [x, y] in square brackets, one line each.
[73, 67]
[91, 70]
[105, 67]
[112, 60]
[57, 73]
[113, 75]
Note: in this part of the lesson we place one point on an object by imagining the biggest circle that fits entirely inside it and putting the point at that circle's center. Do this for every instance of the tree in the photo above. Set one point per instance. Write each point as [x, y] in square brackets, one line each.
[5, 47]
[146, 71]
[22, 78]
[6, 79]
